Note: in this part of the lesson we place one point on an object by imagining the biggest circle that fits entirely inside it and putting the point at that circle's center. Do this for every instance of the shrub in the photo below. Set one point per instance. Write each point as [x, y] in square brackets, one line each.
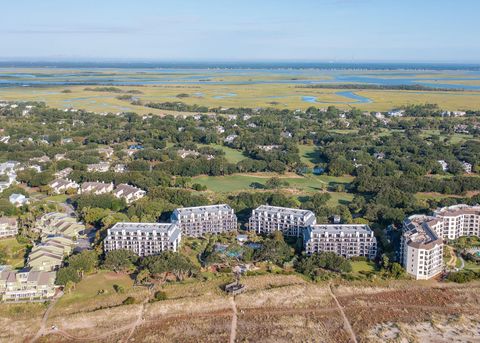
[160, 295]
[129, 301]
[119, 289]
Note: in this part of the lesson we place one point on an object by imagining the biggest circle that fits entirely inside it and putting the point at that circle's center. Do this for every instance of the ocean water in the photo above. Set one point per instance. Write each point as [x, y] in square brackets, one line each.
[115, 74]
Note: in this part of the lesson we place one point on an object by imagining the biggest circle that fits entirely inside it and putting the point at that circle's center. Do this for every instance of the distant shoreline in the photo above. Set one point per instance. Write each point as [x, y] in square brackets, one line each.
[246, 65]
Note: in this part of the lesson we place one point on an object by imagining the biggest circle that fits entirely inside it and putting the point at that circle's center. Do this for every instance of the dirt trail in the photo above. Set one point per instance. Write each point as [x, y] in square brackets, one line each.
[140, 317]
[233, 329]
[346, 323]
[453, 258]
[43, 324]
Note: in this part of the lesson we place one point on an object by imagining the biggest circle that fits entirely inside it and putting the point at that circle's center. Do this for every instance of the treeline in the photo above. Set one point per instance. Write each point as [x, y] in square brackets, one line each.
[380, 87]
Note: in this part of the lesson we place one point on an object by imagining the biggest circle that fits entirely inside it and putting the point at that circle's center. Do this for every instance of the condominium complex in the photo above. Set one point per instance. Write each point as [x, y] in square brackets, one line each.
[421, 249]
[49, 254]
[198, 221]
[456, 221]
[55, 223]
[8, 227]
[26, 284]
[129, 193]
[96, 188]
[345, 240]
[143, 239]
[266, 219]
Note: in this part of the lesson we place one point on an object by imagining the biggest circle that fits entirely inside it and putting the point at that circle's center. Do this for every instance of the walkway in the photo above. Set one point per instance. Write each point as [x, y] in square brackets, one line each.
[43, 324]
[233, 328]
[346, 323]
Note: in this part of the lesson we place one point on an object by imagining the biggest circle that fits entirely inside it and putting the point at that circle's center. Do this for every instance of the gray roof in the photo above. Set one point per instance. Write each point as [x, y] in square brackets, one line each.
[203, 209]
[347, 229]
[144, 227]
[284, 211]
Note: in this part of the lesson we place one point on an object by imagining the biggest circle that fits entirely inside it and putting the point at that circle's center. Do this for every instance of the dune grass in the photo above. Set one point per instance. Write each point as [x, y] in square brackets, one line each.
[15, 252]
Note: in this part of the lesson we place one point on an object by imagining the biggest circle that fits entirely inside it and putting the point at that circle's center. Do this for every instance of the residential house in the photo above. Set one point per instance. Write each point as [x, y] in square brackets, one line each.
[96, 188]
[58, 224]
[443, 164]
[8, 227]
[60, 186]
[467, 167]
[230, 138]
[129, 193]
[18, 199]
[101, 167]
[26, 284]
[62, 174]
[183, 153]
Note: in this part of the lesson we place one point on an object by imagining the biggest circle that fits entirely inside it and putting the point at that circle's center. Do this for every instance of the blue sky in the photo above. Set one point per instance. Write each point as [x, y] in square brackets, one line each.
[243, 30]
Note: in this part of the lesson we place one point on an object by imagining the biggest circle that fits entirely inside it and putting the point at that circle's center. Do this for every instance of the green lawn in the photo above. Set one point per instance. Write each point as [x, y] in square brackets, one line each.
[239, 182]
[57, 198]
[472, 266]
[362, 266]
[308, 155]
[15, 252]
[87, 289]
[232, 155]
[339, 198]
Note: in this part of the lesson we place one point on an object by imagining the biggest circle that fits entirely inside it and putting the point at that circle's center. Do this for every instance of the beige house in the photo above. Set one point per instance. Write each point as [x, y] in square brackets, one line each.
[129, 193]
[50, 253]
[8, 227]
[55, 223]
[26, 284]
[60, 186]
[96, 188]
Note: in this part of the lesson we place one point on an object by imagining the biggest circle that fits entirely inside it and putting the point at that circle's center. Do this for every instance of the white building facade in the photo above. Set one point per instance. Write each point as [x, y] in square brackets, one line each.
[266, 219]
[347, 240]
[202, 220]
[144, 239]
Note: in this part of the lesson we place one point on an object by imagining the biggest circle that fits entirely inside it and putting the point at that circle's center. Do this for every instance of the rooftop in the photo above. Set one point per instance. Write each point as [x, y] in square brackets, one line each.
[342, 228]
[203, 209]
[145, 227]
[283, 210]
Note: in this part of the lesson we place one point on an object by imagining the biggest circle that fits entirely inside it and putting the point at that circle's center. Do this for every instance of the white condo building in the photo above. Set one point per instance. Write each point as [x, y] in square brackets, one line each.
[457, 221]
[422, 240]
[347, 240]
[198, 221]
[421, 249]
[143, 239]
[266, 219]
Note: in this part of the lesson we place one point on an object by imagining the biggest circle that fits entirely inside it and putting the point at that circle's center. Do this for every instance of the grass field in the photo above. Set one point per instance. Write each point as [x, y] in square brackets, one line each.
[362, 266]
[280, 95]
[86, 291]
[240, 182]
[232, 155]
[472, 266]
[15, 252]
[308, 155]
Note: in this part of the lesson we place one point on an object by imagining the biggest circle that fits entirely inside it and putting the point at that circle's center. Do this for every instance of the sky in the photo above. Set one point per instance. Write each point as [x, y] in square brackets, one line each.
[241, 30]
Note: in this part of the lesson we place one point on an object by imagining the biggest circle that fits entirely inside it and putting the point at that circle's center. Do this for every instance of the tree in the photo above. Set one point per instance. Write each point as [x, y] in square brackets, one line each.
[121, 260]
[169, 262]
[310, 265]
[274, 250]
